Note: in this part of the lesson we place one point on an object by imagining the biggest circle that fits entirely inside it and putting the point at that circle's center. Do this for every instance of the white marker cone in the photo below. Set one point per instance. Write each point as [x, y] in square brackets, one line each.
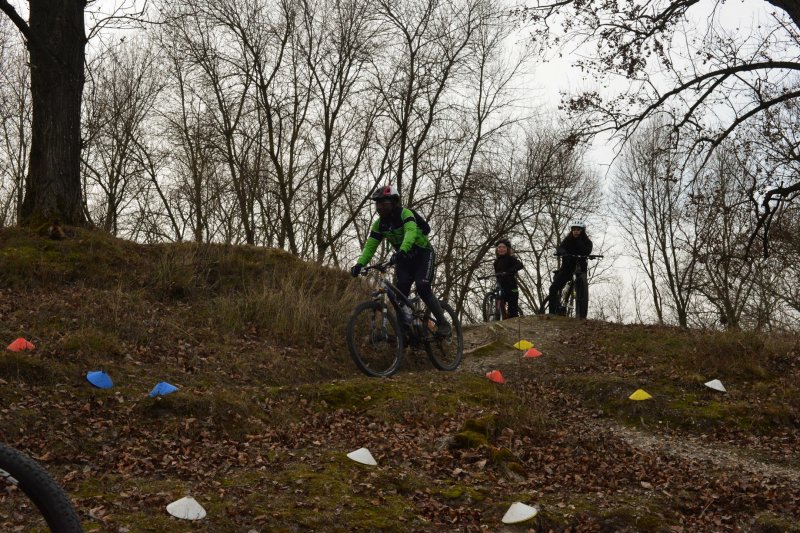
[519, 512]
[716, 385]
[186, 508]
[362, 456]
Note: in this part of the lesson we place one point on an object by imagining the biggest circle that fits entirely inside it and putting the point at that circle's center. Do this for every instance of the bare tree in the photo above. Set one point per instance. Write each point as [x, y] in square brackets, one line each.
[785, 287]
[15, 126]
[710, 80]
[188, 193]
[212, 36]
[56, 39]
[651, 193]
[119, 101]
[429, 43]
[342, 43]
[729, 274]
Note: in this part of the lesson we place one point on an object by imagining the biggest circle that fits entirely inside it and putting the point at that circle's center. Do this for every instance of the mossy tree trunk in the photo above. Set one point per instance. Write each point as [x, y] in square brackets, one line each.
[56, 40]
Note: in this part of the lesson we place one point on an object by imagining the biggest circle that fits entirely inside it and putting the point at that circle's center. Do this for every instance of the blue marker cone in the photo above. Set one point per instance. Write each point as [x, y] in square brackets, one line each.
[99, 379]
[162, 389]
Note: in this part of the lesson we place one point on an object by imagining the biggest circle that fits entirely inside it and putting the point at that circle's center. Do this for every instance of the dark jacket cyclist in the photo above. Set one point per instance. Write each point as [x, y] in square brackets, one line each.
[414, 256]
[506, 265]
[575, 243]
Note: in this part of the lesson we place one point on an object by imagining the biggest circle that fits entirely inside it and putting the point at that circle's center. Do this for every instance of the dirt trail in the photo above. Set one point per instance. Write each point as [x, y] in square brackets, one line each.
[491, 345]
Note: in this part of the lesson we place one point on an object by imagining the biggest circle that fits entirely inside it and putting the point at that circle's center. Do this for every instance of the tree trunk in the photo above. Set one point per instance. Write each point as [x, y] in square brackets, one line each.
[56, 43]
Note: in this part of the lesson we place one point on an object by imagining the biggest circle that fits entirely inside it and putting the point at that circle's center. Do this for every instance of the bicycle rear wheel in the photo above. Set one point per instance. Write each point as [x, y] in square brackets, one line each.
[30, 500]
[375, 339]
[445, 353]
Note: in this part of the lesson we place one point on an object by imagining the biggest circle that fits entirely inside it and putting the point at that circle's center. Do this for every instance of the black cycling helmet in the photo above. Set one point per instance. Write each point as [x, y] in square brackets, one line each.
[387, 192]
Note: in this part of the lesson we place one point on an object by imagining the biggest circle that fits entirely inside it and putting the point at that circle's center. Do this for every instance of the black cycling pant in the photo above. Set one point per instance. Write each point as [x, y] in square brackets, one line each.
[581, 293]
[511, 297]
[559, 280]
[419, 270]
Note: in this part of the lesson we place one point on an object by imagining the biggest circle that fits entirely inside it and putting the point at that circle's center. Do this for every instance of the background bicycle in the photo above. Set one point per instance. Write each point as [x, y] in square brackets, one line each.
[566, 299]
[378, 333]
[30, 500]
[494, 305]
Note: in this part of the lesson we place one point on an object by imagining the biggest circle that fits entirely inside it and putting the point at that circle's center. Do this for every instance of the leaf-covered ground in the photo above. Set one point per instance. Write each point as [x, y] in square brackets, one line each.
[269, 406]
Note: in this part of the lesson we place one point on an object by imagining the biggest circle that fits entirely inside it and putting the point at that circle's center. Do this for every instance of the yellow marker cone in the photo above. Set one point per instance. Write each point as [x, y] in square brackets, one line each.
[523, 345]
[639, 395]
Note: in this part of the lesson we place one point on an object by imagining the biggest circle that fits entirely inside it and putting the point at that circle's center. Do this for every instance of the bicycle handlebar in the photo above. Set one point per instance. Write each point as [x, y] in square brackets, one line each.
[579, 256]
[495, 275]
[380, 267]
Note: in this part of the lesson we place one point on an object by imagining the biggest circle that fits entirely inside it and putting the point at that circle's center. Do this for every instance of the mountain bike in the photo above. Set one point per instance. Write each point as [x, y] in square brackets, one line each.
[378, 332]
[566, 297]
[494, 303]
[30, 499]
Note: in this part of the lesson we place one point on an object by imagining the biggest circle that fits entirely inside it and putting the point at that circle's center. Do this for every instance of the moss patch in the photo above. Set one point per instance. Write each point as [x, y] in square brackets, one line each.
[339, 491]
[93, 343]
[24, 367]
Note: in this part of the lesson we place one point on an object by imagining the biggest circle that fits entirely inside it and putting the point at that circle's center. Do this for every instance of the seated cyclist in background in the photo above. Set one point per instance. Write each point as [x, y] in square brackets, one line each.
[414, 256]
[506, 266]
[575, 243]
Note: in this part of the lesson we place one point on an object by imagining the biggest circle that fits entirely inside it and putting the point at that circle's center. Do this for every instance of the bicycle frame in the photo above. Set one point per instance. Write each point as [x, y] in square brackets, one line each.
[500, 307]
[567, 299]
[569, 286]
[389, 290]
[373, 333]
[568, 296]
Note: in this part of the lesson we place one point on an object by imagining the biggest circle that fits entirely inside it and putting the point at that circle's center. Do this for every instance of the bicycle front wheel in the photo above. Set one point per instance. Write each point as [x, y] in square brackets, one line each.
[447, 352]
[30, 500]
[568, 300]
[375, 339]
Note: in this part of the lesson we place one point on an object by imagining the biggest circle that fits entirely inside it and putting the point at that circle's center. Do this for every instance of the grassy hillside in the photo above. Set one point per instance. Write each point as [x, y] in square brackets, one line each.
[270, 403]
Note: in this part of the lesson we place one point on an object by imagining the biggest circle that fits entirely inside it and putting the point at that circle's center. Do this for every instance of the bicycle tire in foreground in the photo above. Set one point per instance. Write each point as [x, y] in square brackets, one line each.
[30, 498]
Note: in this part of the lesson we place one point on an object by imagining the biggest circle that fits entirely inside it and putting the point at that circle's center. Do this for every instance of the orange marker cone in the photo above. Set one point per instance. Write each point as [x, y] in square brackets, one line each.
[20, 344]
[533, 352]
[495, 376]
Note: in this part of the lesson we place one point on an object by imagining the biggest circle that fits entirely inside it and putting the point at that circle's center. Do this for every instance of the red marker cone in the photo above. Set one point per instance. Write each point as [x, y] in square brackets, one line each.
[533, 352]
[495, 376]
[20, 344]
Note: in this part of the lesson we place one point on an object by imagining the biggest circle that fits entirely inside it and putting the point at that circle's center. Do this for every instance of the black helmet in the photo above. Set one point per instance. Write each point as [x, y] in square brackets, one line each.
[504, 241]
[387, 192]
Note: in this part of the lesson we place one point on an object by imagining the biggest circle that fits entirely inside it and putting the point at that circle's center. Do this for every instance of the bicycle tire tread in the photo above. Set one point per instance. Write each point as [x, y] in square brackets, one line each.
[42, 489]
[458, 332]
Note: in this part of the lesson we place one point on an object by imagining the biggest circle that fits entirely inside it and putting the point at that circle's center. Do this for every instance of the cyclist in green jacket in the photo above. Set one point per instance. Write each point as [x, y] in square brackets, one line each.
[414, 256]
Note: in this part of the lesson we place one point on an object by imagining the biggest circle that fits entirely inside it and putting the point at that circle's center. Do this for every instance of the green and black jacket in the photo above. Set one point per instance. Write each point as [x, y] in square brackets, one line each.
[400, 230]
